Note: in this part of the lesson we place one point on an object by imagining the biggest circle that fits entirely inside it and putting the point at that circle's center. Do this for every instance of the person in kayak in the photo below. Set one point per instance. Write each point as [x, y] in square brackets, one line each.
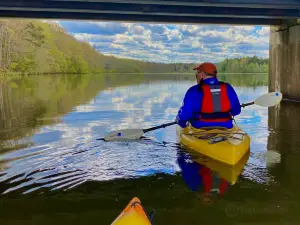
[210, 102]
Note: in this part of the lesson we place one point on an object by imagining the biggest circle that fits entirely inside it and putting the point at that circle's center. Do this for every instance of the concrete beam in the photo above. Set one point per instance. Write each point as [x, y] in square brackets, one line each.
[150, 9]
[245, 12]
[137, 18]
[276, 4]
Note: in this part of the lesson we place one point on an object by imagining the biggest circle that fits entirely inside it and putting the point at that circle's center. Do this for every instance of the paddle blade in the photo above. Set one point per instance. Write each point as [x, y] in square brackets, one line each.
[269, 99]
[126, 134]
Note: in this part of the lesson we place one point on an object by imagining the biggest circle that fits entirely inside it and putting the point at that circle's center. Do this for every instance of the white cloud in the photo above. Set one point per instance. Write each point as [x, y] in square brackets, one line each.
[138, 30]
[173, 43]
[94, 37]
[265, 31]
[113, 45]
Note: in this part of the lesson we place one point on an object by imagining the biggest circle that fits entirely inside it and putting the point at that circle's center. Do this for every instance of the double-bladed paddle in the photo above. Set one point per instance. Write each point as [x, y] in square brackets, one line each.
[265, 100]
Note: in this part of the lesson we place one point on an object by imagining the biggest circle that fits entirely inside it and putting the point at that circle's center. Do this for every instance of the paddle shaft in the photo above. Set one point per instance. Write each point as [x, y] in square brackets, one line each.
[247, 104]
[173, 123]
[158, 127]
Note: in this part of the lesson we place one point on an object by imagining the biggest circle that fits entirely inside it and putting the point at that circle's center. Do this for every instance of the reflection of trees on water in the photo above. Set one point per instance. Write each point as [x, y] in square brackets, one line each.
[241, 80]
[245, 80]
[26, 101]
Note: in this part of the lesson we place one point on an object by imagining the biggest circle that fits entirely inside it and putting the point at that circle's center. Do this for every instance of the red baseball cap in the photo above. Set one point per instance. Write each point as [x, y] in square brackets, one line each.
[207, 67]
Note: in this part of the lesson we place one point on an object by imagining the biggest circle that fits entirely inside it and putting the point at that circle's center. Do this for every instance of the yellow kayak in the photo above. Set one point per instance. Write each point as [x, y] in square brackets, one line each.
[225, 145]
[133, 214]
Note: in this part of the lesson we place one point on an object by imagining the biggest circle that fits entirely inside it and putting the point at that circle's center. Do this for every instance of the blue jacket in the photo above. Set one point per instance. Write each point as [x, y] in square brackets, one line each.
[190, 172]
[192, 104]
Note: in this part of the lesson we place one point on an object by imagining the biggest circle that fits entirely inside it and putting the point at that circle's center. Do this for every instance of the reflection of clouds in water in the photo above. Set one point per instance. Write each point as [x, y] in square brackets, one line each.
[107, 160]
[163, 97]
[170, 113]
[143, 103]
[139, 106]
[143, 97]
[117, 99]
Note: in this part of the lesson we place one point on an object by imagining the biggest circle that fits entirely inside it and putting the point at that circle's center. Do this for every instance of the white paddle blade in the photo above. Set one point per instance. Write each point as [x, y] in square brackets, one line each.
[126, 134]
[269, 99]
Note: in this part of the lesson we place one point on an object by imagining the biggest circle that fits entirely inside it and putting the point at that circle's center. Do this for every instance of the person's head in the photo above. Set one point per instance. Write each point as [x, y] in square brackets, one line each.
[205, 70]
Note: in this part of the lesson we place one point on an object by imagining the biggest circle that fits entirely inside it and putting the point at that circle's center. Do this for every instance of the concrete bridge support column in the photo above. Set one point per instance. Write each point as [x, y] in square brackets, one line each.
[284, 65]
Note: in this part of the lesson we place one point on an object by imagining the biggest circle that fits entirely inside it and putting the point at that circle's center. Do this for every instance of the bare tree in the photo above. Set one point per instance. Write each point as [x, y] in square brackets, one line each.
[1, 43]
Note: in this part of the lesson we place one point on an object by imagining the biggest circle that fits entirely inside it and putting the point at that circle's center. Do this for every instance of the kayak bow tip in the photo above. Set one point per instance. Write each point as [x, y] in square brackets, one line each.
[133, 214]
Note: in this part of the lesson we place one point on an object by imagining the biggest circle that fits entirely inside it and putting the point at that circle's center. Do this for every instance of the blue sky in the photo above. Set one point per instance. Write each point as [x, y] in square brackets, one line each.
[171, 43]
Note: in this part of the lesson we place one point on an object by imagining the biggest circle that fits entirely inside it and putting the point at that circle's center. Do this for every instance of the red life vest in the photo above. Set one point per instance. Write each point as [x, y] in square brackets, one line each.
[215, 105]
[207, 181]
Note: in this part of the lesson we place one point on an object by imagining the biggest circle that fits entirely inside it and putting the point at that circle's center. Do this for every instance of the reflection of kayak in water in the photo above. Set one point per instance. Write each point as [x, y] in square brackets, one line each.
[133, 214]
[205, 175]
[200, 173]
[225, 171]
[224, 145]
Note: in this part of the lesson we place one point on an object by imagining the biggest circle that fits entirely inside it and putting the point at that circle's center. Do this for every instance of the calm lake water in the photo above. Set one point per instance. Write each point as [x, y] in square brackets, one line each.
[54, 171]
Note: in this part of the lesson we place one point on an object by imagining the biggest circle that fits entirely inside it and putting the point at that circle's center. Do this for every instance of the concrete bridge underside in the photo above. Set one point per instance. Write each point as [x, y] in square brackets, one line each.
[266, 12]
[282, 15]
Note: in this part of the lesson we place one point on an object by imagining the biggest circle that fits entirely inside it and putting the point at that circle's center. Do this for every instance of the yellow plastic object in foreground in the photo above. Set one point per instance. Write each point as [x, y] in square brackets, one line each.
[225, 145]
[133, 214]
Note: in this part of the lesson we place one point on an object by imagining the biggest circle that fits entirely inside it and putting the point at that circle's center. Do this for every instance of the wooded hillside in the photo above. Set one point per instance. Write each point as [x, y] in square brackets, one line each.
[32, 46]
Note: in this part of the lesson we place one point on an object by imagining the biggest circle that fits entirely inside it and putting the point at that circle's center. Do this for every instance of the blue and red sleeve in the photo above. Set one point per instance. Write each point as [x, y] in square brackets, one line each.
[234, 100]
[191, 101]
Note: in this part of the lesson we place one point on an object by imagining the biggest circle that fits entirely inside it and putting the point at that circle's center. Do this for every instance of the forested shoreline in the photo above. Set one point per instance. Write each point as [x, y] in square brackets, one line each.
[35, 47]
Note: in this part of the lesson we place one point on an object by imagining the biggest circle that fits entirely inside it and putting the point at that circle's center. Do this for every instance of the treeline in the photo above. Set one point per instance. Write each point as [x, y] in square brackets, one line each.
[244, 65]
[32, 46]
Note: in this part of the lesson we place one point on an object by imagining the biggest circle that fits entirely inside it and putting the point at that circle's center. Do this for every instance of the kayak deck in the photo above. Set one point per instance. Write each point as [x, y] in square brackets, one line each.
[225, 145]
[133, 214]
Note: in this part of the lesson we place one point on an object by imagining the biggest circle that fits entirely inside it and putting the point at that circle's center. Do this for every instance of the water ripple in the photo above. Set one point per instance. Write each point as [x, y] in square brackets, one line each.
[66, 154]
